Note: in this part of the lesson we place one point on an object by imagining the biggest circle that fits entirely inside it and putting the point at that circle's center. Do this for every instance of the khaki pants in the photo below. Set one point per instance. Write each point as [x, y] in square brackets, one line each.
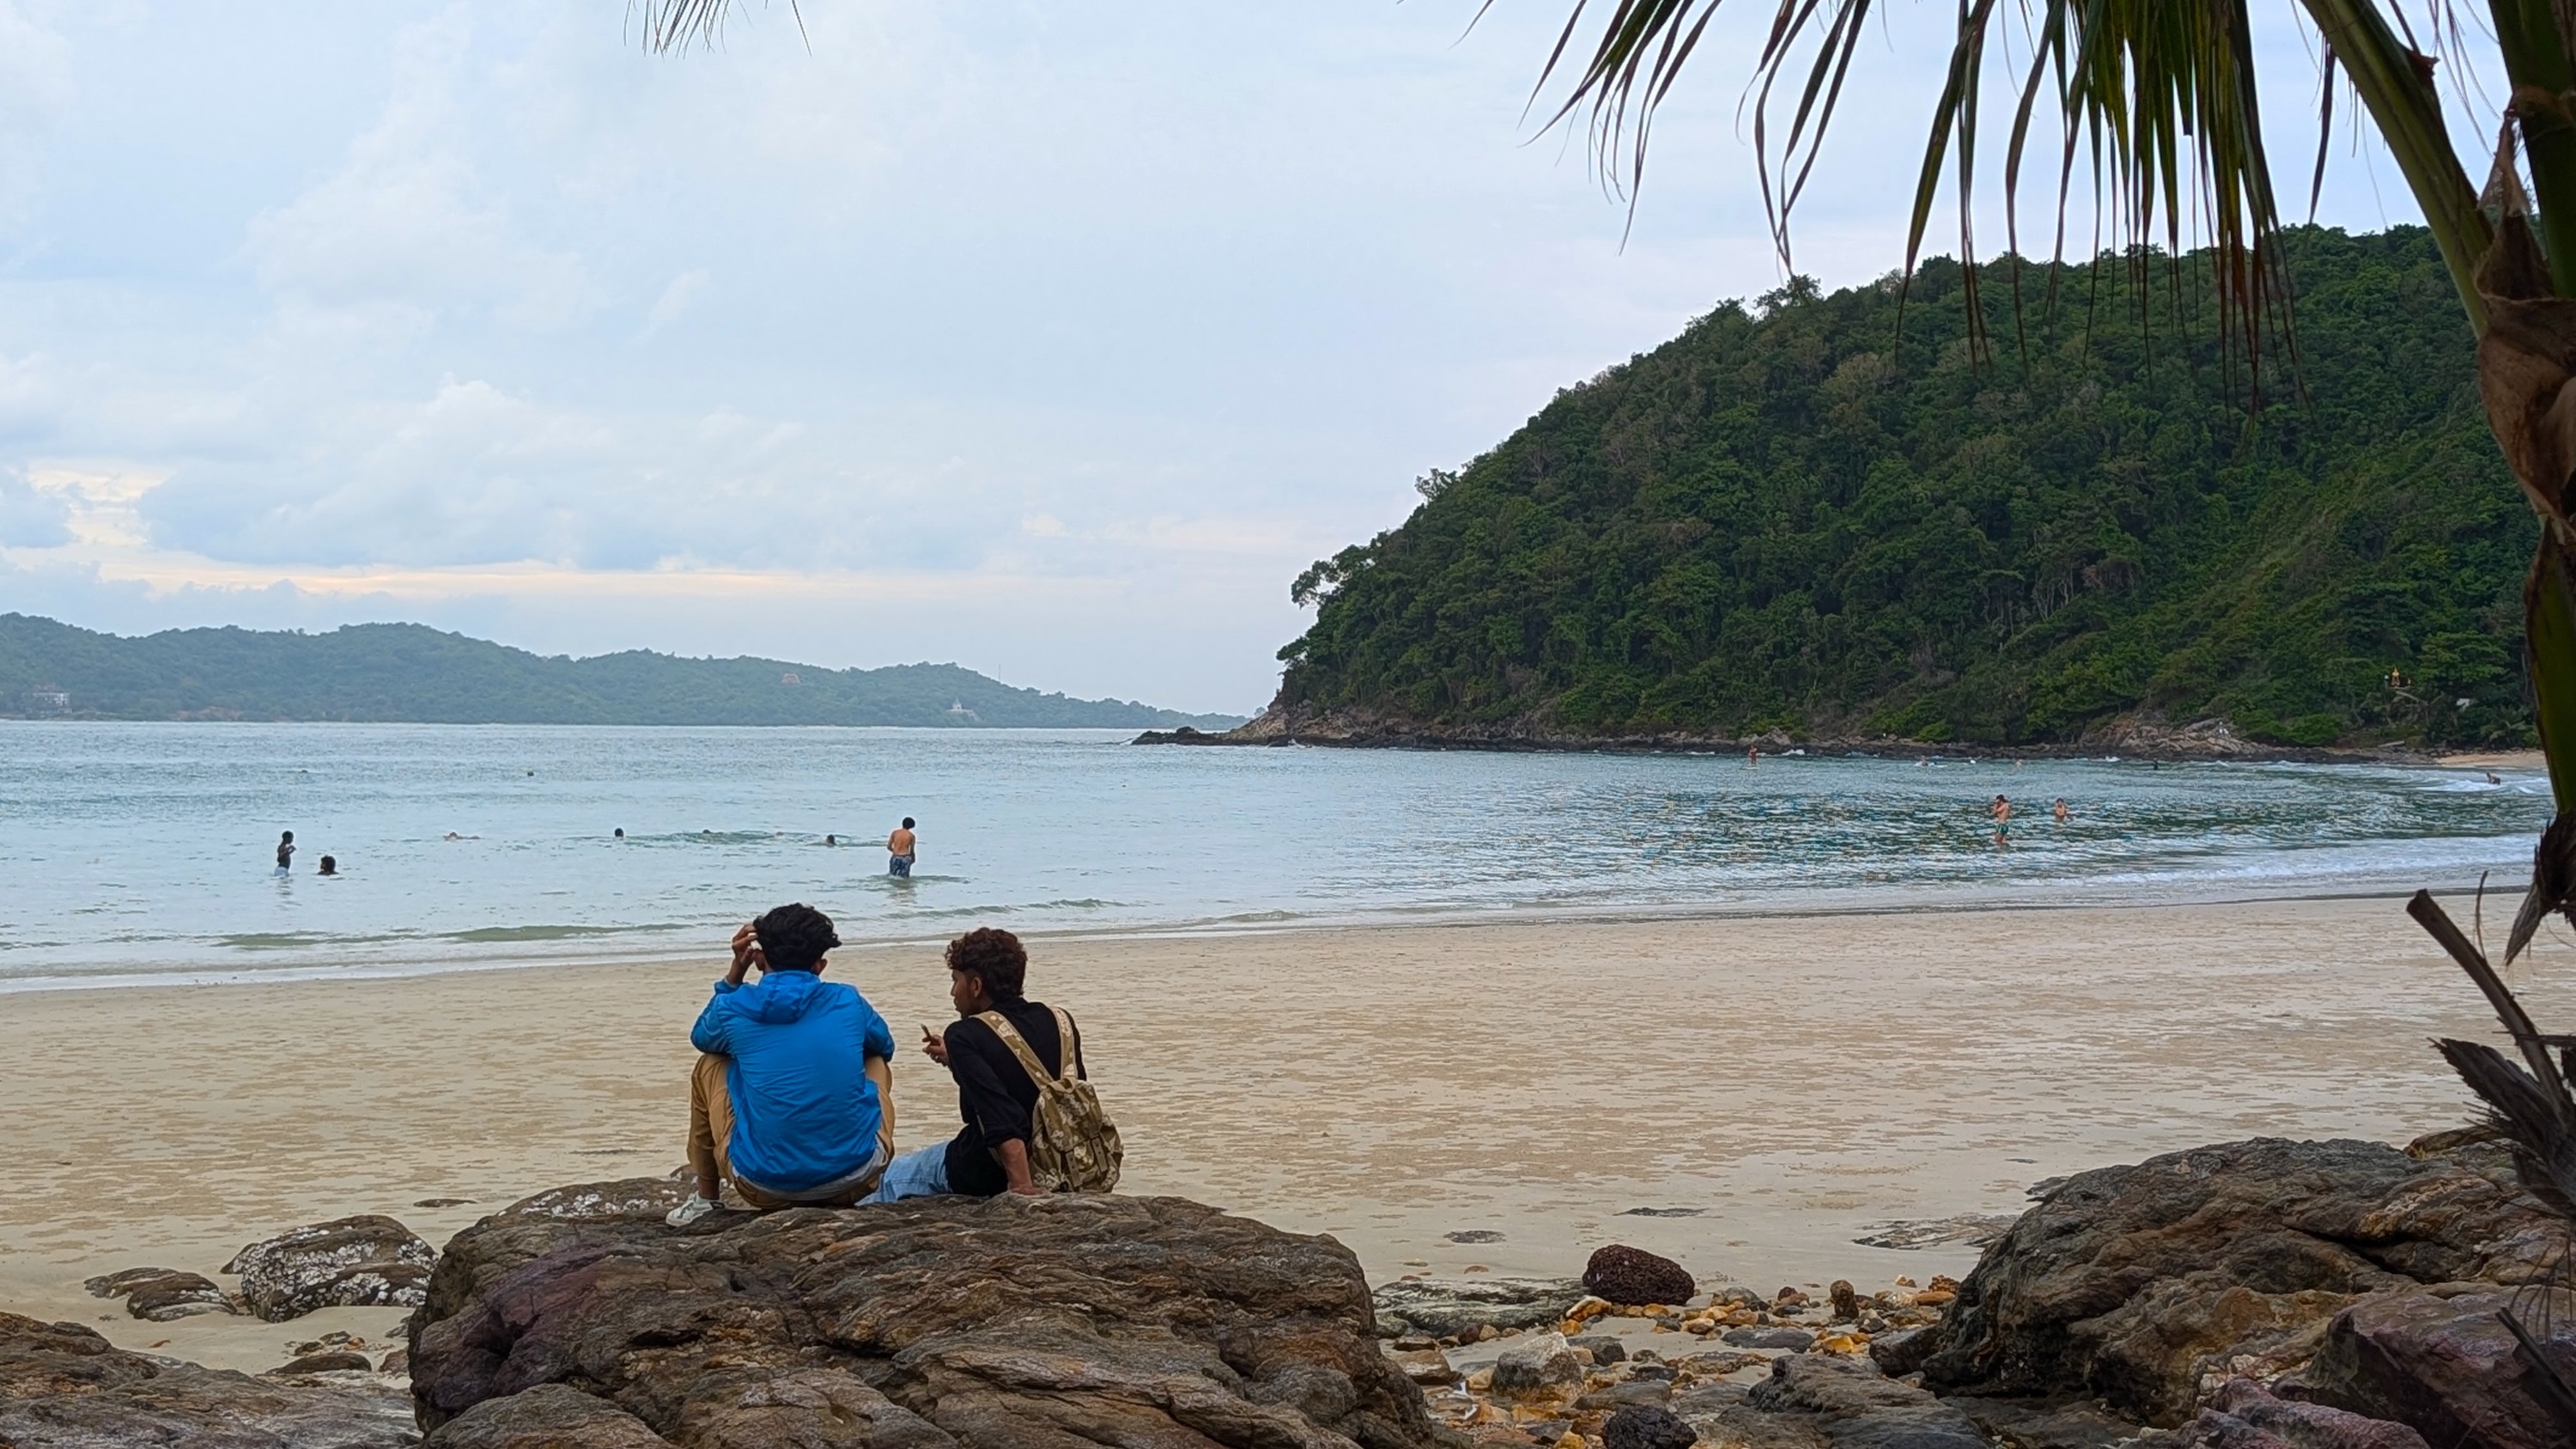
[711, 1130]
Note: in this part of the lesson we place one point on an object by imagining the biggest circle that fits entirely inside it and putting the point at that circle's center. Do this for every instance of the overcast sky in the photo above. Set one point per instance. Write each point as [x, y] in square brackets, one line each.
[1051, 337]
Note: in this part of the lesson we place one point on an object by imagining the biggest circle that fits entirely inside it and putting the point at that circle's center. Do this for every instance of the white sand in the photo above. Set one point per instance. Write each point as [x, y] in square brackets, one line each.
[1801, 1079]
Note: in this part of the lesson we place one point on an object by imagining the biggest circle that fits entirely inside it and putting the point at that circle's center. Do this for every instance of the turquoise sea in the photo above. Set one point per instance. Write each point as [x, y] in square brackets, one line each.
[142, 852]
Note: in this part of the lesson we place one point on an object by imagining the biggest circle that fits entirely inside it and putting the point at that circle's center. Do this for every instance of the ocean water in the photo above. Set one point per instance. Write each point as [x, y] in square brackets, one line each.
[142, 852]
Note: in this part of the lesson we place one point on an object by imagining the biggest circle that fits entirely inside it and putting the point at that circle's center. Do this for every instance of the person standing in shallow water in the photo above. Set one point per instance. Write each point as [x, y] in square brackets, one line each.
[900, 849]
[2002, 811]
[285, 851]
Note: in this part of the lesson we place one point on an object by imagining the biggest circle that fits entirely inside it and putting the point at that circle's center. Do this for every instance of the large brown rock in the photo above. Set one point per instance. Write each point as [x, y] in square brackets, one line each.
[354, 1262]
[1624, 1274]
[2146, 1285]
[1050, 1323]
[2444, 1363]
[64, 1387]
[162, 1294]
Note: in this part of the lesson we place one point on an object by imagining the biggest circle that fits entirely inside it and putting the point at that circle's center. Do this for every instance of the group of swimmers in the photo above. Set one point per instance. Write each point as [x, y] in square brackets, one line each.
[791, 1102]
[902, 849]
[2002, 810]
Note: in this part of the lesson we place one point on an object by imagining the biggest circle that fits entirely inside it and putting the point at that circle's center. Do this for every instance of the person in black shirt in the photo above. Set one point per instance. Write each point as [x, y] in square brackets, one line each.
[987, 971]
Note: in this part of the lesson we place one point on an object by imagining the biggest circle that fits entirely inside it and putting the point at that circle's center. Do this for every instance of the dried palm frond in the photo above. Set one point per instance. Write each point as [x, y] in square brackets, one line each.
[2543, 1141]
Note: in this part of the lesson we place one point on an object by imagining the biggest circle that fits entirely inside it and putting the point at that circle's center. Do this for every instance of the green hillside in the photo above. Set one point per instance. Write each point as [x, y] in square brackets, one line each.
[406, 672]
[1796, 517]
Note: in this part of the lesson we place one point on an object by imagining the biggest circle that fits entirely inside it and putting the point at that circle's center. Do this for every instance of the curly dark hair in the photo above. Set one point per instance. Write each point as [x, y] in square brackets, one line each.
[997, 957]
[794, 937]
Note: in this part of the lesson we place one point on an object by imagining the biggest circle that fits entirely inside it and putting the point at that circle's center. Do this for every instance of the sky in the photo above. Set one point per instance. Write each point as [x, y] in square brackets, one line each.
[1051, 339]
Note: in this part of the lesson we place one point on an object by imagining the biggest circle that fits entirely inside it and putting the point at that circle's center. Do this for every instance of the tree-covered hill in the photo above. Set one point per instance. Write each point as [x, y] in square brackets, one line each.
[1798, 517]
[406, 672]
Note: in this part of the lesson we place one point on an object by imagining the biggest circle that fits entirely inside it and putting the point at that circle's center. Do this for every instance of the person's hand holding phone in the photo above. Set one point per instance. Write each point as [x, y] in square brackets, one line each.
[934, 1046]
[746, 954]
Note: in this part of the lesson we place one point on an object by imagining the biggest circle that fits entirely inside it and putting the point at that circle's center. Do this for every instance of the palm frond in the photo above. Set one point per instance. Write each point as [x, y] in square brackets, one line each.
[2158, 99]
[678, 24]
[2544, 1145]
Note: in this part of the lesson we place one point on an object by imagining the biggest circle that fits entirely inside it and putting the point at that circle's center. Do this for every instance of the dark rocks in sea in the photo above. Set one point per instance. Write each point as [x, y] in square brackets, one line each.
[62, 1386]
[162, 1294]
[1623, 1274]
[1646, 1426]
[1456, 1309]
[2142, 1285]
[1605, 1348]
[1037, 1322]
[354, 1262]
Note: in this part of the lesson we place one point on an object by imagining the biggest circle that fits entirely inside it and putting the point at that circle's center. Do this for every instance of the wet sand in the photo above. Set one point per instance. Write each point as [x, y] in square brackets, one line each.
[1798, 1081]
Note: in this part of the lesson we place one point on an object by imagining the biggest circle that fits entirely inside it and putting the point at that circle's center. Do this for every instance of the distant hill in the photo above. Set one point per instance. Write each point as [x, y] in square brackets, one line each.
[386, 673]
[1797, 519]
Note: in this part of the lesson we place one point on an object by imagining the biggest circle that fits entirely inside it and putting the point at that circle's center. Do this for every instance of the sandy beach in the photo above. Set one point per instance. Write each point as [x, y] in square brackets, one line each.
[1799, 1081]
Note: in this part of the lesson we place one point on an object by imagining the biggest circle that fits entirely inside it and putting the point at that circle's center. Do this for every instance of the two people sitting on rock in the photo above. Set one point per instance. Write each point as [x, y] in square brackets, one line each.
[1031, 1121]
[793, 1097]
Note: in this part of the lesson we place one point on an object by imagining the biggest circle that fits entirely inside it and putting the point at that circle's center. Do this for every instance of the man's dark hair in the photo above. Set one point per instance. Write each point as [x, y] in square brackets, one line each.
[995, 956]
[794, 938]
[907, 822]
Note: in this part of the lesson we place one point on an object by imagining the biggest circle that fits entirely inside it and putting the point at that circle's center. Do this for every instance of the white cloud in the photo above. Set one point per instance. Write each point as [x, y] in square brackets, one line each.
[1051, 339]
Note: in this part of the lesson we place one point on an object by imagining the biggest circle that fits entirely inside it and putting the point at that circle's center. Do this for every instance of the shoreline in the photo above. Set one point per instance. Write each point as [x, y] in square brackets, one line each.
[2173, 747]
[1751, 1097]
[1233, 928]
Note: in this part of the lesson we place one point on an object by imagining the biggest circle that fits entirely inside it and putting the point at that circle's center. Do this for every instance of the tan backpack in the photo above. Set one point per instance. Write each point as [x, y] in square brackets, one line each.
[1073, 1146]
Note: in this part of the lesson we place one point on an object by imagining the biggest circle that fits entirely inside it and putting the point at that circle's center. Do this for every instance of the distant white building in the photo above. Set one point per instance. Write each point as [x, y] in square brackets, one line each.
[47, 696]
[958, 711]
[785, 678]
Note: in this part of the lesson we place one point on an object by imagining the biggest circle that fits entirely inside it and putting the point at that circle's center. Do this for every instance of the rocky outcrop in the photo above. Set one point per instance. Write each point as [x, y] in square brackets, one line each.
[352, 1262]
[2151, 1284]
[64, 1387]
[1039, 1322]
[1622, 1274]
[162, 1294]
[1857, 1408]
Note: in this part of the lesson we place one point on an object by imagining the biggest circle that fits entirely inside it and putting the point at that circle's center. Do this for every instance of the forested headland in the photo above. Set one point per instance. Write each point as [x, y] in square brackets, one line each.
[1839, 517]
[410, 673]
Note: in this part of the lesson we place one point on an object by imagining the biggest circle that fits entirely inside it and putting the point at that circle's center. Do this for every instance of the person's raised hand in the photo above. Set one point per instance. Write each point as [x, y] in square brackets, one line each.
[934, 1046]
[746, 954]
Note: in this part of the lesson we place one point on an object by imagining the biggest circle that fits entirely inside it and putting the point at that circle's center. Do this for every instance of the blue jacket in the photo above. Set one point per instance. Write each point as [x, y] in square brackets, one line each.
[804, 1111]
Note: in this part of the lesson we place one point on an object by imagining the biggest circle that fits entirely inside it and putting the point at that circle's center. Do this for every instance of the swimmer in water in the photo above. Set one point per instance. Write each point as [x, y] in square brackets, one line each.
[2058, 810]
[621, 832]
[901, 850]
[330, 866]
[2002, 811]
[285, 851]
[832, 840]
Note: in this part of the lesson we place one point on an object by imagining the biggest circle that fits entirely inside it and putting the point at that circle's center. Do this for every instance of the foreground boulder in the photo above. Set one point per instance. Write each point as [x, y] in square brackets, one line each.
[2145, 1285]
[2444, 1362]
[1041, 1322]
[64, 1387]
[2243, 1415]
[355, 1262]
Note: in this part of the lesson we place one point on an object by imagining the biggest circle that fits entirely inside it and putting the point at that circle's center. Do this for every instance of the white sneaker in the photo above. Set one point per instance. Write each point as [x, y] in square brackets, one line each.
[689, 1212]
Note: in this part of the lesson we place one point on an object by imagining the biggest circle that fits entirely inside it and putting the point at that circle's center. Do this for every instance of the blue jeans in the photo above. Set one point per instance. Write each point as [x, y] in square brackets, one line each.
[922, 1172]
[899, 865]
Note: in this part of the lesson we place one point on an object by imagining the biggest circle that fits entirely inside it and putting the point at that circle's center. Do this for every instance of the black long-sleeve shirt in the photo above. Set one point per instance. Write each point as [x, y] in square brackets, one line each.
[994, 1095]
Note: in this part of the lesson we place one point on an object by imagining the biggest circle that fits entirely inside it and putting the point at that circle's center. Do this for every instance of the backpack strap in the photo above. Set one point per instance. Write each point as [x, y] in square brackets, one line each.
[1000, 1026]
[1068, 1046]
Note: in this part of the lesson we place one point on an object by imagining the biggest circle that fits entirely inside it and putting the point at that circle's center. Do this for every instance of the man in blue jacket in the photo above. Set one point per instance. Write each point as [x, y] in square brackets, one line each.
[794, 1099]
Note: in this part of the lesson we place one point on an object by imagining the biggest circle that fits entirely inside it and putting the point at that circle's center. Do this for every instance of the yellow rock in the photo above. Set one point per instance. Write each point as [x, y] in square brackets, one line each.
[1587, 1309]
[1933, 1297]
[1904, 1282]
[1569, 1440]
[1700, 1325]
[1843, 1343]
[1481, 1380]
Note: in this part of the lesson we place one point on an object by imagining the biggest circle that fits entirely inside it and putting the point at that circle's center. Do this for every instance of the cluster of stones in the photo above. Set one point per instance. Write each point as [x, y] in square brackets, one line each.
[355, 1262]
